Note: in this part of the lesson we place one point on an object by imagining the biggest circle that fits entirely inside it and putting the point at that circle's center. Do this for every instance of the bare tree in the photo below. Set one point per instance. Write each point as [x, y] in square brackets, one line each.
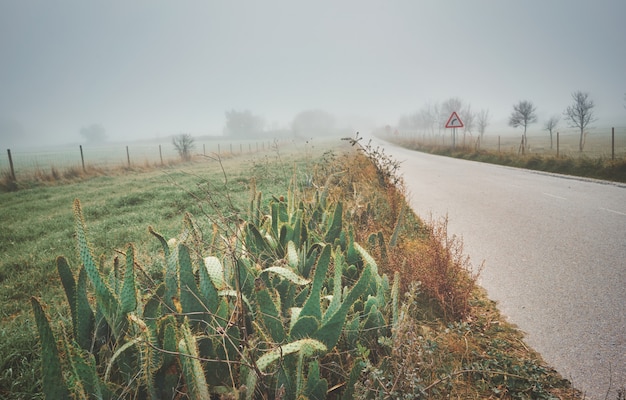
[243, 124]
[183, 144]
[482, 120]
[94, 133]
[550, 125]
[469, 119]
[523, 114]
[453, 104]
[580, 114]
[313, 123]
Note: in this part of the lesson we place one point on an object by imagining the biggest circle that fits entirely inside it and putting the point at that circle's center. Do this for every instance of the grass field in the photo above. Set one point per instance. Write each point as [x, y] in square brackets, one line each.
[603, 157]
[598, 142]
[28, 162]
[449, 342]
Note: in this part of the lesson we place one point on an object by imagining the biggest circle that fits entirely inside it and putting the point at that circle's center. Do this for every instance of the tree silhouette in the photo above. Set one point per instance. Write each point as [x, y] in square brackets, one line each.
[580, 114]
[523, 114]
[183, 143]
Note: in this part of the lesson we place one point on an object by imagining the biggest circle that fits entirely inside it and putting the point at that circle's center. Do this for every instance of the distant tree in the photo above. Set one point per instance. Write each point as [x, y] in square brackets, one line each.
[313, 123]
[482, 120]
[523, 114]
[183, 143]
[243, 124]
[469, 119]
[94, 133]
[550, 125]
[429, 117]
[453, 104]
[580, 114]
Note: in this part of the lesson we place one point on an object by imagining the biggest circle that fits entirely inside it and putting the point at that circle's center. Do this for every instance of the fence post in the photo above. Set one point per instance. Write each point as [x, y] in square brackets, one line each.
[613, 143]
[11, 164]
[128, 156]
[161, 155]
[557, 144]
[82, 157]
[231, 148]
[498, 143]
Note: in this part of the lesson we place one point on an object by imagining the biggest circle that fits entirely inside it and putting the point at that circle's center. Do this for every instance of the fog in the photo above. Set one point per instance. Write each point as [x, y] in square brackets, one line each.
[146, 69]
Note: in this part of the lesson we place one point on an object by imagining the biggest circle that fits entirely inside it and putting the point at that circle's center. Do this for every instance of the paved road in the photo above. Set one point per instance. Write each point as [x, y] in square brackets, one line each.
[554, 251]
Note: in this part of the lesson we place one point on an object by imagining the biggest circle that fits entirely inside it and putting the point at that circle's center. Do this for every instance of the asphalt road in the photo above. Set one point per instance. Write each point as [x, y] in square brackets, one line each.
[555, 256]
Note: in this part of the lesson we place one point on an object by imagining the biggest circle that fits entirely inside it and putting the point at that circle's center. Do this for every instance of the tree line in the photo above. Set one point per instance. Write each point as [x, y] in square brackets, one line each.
[579, 114]
[432, 117]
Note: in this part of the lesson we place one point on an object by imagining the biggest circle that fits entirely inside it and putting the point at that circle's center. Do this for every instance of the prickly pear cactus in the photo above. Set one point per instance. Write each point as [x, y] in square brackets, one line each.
[290, 292]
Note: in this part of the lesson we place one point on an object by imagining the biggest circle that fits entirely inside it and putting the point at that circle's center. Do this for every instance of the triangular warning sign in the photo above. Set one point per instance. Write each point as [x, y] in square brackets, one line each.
[454, 121]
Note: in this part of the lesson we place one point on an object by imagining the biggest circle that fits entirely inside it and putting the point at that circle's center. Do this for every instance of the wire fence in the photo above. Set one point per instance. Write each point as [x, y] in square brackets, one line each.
[597, 142]
[27, 161]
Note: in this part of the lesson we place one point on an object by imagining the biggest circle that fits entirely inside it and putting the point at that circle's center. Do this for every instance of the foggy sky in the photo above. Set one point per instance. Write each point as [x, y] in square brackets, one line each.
[144, 69]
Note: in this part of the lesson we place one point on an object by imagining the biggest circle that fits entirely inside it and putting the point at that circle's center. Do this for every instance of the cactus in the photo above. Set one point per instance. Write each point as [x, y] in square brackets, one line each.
[287, 274]
[395, 294]
[211, 279]
[396, 229]
[54, 385]
[277, 289]
[85, 320]
[107, 301]
[334, 229]
[197, 387]
[329, 331]
[190, 298]
[270, 315]
[306, 346]
[128, 295]
[312, 305]
[316, 388]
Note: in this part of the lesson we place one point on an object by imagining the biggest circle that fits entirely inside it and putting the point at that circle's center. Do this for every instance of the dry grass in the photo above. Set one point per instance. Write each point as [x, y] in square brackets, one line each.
[40, 176]
[423, 253]
[450, 340]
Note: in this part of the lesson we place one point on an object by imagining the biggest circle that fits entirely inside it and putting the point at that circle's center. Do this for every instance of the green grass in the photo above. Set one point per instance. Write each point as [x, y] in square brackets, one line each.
[457, 351]
[38, 226]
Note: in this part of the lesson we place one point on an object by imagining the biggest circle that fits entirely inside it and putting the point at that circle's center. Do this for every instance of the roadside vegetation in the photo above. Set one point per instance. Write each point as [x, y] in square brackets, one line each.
[575, 165]
[302, 273]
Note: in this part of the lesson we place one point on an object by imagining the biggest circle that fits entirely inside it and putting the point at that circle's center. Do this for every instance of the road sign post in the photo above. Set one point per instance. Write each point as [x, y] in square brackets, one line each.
[454, 122]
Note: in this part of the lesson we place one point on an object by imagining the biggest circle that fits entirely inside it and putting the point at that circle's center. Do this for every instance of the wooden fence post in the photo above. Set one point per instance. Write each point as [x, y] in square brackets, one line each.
[11, 164]
[128, 156]
[498, 143]
[161, 155]
[613, 143]
[82, 157]
[218, 149]
[557, 144]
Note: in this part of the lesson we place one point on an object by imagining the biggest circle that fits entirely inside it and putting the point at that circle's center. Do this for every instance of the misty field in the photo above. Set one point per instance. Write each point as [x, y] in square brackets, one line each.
[110, 155]
[598, 142]
[300, 223]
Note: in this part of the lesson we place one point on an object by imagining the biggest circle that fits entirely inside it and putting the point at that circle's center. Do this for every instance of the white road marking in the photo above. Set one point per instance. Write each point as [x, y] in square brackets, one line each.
[613, 211]
[555, 196]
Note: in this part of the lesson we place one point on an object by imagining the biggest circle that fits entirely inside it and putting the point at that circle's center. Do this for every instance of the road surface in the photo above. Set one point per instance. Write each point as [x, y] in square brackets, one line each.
[554, 251]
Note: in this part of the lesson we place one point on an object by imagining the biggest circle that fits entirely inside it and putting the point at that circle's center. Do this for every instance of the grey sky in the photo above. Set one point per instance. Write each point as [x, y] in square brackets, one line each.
[153, 68]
